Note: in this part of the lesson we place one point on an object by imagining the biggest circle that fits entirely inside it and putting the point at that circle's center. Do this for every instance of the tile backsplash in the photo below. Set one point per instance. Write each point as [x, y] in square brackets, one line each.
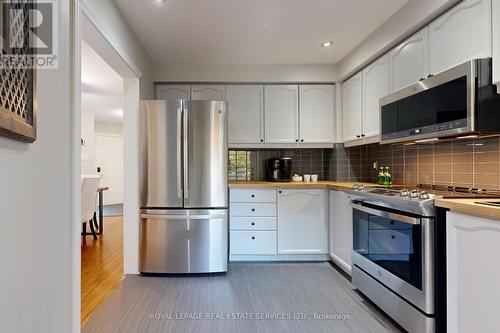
[251, 164]
[465, 163]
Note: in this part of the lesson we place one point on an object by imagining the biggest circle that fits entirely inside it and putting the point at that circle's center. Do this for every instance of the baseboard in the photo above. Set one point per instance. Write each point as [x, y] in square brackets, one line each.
[281, 257]
[342, 264]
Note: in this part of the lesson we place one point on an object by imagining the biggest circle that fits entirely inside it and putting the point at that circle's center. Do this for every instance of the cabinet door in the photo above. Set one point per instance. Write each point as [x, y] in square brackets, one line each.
[462, 33]
[173, 91]
[472, 273]
[409, 62]
[352, 105]
[201, 92]
[302, 221]
[375, 86]
[246, 113]
[281, 113]
[340, 230]
[316, 113]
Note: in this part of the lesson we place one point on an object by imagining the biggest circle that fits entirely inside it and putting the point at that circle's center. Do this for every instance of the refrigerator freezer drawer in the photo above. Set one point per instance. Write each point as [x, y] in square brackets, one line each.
[184, 241]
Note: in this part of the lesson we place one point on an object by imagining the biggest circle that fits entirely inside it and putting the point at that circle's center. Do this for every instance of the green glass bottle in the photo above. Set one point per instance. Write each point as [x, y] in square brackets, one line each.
[380, 178]
[387, 177]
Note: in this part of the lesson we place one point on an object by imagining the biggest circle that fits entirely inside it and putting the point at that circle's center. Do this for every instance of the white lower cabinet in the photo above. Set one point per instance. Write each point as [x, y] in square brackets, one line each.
[302, 221]
[253, 242]
[340, 230]
[473, 273]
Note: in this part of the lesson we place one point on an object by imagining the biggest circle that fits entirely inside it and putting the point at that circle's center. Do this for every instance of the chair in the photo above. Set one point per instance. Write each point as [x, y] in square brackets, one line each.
[90, 184]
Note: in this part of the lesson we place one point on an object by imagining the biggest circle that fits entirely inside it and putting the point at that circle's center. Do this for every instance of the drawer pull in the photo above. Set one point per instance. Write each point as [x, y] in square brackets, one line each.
[253, 195]
[253, 237]
[393, 236]
[253, 223]
[253, 209]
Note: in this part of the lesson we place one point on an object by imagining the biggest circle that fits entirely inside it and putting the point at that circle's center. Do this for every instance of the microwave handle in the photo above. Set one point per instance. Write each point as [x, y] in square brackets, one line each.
[389, 215]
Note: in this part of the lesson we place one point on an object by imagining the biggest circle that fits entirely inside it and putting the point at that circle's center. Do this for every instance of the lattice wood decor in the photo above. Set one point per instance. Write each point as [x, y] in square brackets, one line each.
[17, 89]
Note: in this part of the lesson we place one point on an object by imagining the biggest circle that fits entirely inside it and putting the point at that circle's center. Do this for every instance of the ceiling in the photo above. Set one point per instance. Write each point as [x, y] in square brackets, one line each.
[102, 88]
[253, 31]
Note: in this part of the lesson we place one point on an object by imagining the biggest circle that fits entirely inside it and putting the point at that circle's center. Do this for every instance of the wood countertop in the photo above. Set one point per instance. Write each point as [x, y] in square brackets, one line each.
[470, 207]
[321, 184]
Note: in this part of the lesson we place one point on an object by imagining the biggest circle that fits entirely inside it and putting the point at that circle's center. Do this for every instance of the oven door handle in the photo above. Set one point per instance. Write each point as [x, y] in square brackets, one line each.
[389, 215]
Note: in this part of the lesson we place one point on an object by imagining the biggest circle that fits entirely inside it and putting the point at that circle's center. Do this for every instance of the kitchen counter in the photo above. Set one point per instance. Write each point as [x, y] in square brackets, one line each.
[470, 207]
[321, 184]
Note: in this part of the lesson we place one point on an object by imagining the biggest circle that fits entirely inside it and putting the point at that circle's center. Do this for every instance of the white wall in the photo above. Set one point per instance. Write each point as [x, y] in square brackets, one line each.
[410, 18]
[88, 134]
[107, 13]
[35, 209]
[245, 73]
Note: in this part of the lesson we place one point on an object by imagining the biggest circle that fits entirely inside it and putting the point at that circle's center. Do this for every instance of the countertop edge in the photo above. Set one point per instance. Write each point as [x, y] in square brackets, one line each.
[469, 208]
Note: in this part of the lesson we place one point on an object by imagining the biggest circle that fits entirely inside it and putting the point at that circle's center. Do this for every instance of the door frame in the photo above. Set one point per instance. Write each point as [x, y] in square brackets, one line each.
[84, 15]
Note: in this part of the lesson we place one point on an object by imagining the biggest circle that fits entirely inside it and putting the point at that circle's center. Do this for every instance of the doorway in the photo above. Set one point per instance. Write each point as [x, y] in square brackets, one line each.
[119, 172]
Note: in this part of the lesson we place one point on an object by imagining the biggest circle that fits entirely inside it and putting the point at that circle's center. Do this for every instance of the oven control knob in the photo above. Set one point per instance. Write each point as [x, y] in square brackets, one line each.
[424, 195]
[362, 188]
[355, 187]
[404, 193]
[413, 194]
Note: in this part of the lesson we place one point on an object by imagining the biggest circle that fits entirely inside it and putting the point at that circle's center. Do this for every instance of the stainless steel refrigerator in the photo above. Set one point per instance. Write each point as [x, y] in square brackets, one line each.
[184, 195]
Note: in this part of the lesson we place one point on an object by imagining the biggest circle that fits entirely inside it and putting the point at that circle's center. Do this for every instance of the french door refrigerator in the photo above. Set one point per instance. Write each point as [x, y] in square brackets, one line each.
[184, 195]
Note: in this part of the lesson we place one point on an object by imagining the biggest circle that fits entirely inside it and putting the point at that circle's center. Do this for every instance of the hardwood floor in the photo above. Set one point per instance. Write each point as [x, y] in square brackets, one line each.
[102, 266]
[267, 291]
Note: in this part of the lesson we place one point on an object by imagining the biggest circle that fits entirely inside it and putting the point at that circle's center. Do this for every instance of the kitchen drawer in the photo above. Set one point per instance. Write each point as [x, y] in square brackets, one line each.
[253, 242]
[382, 223]
[252, 209]
[249, 195]
[389, 242]
[252, 223]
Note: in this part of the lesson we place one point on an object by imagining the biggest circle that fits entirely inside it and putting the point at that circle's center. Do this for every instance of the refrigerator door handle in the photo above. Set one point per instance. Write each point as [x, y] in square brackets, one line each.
[179, 153]
[186, 153]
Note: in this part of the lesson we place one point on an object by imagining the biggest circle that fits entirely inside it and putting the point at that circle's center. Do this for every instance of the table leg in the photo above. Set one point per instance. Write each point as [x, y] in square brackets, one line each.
[101, 213]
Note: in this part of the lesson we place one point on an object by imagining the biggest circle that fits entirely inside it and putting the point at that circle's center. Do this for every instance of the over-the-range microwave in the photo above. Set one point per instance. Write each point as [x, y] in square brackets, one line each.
[460, 101]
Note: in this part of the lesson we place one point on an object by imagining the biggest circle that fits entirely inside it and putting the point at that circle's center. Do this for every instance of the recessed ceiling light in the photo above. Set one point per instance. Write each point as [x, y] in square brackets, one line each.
[160, 2]
[327, 44]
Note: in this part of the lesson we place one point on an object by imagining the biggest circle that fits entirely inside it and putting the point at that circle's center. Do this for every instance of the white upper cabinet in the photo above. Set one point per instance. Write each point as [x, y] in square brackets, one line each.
[201, 92]
[245, 113]
[352, 105]
[409, 61]
[375, 86]
[463, 33]
[281, 113]
[316, 113]
[302, 221]
[173, 91]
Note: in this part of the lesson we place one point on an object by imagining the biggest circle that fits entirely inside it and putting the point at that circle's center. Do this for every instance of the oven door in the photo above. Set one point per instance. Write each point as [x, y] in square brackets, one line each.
[397, 250]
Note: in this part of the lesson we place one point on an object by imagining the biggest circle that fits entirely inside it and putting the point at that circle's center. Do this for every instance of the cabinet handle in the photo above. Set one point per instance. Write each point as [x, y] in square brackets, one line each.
[261, 140]
[253, 237]
[280, 192]
[362, 135]
[296, 140]
[253, 223]
[358, 136]
[253, 209]
[253, 195]
[393, 236]
[302, 140]
[392, 222]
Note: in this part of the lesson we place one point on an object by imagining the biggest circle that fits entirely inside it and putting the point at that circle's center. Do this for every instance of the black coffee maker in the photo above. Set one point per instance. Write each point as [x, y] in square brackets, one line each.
[279, 169]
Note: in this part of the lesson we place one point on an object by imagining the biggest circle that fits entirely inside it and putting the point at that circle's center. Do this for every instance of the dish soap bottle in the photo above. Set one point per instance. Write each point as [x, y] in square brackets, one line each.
[380, 178]
[387, 177]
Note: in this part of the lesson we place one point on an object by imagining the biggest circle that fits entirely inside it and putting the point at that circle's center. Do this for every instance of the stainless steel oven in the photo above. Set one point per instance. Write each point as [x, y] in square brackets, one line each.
[393, 258]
